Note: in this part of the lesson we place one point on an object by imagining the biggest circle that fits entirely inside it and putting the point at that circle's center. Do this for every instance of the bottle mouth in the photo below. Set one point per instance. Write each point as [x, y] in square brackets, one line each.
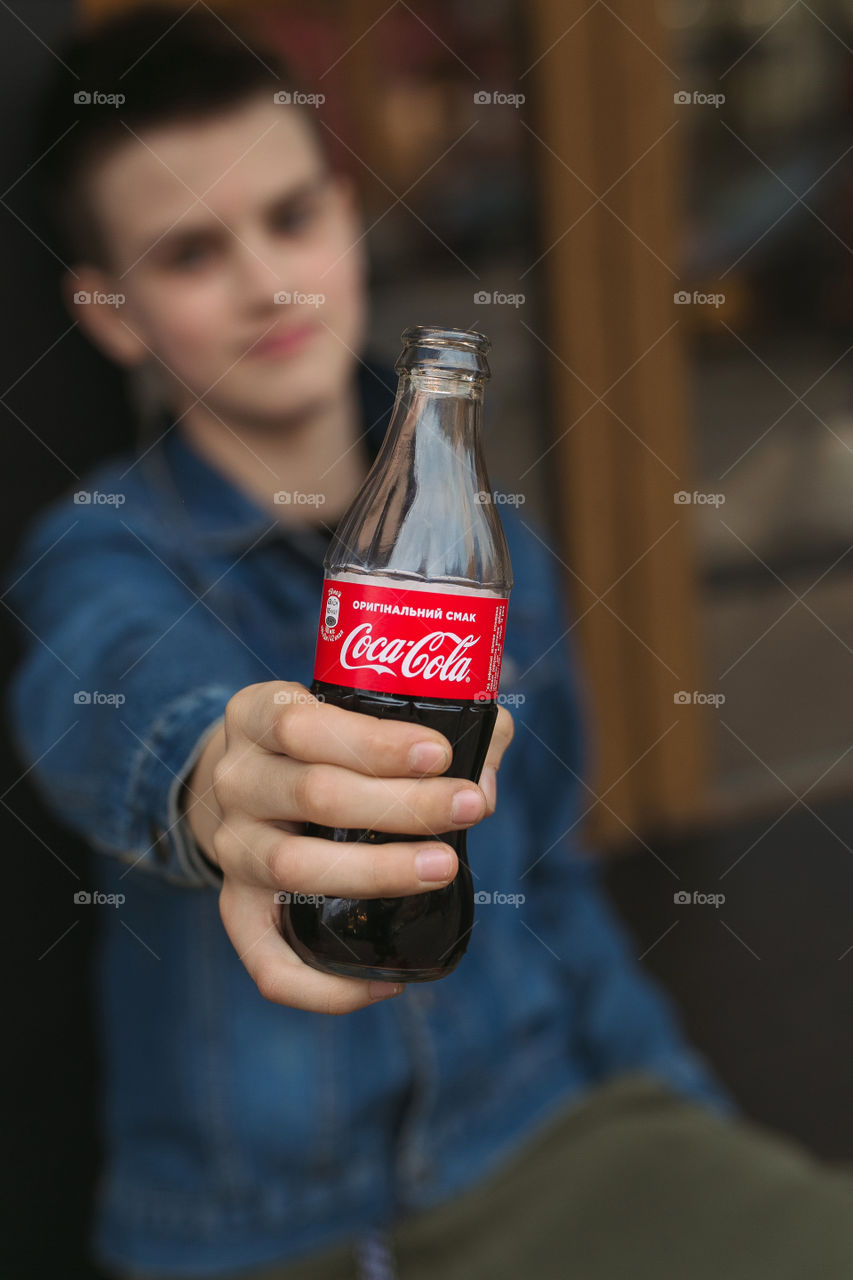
[459, 352]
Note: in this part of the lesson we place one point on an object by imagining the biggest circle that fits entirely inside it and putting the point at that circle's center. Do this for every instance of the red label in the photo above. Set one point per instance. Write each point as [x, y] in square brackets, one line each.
[415, 643]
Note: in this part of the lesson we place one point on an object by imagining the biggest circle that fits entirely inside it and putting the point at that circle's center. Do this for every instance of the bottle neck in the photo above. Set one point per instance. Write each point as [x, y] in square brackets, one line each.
[425, 512]
[436, 425]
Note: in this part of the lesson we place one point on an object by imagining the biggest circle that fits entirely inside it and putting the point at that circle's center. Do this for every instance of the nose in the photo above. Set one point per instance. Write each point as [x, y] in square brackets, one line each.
[259, 273]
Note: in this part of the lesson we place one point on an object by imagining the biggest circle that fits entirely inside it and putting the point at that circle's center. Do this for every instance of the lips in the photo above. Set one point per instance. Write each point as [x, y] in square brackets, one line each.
[280, 342]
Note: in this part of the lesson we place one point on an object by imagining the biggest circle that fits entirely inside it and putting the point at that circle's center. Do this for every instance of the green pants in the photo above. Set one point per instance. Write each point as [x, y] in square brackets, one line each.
[635, 1182]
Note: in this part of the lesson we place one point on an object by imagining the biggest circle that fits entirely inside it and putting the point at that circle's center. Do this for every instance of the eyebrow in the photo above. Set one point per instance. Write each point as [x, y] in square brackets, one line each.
[183, 229]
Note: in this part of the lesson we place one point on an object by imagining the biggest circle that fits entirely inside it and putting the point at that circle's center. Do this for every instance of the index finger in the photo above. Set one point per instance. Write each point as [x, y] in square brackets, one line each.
[315, 732]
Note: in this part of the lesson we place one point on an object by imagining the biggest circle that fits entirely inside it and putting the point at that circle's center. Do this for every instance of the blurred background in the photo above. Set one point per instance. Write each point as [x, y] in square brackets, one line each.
[649, 210]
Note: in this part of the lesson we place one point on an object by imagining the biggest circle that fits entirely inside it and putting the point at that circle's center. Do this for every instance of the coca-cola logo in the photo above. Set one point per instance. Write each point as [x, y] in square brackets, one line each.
[427, 658]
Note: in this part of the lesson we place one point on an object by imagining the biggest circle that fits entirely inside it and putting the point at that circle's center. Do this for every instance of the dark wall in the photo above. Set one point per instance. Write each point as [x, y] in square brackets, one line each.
[62, 408]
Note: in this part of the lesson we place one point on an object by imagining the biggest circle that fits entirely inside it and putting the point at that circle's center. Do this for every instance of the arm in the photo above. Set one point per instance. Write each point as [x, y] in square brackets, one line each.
[123, 673]
[105, 614]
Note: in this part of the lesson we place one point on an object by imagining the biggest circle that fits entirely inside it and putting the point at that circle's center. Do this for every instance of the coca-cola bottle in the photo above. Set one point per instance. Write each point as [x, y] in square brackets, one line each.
[417, 582]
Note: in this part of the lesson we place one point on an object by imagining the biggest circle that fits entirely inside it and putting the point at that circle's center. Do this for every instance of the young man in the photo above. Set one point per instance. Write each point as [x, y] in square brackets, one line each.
[537, 1110]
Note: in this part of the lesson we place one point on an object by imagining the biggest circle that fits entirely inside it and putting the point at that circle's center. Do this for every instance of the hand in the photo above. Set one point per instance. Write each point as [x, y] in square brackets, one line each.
[284, 758]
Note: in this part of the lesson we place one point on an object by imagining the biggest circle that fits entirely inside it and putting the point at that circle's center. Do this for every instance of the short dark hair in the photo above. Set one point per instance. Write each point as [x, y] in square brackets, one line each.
[169, 67]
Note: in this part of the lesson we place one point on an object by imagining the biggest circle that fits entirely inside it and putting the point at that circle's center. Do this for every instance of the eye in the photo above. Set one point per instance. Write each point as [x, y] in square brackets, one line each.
[294, 217]
[191, 254]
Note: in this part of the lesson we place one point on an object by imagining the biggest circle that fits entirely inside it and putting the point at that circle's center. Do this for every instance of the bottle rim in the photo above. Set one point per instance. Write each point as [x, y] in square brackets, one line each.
[445, 353]
[434, 335]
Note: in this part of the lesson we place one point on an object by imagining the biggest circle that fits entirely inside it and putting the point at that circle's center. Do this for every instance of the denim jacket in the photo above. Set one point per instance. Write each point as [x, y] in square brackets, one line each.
[237, 1132]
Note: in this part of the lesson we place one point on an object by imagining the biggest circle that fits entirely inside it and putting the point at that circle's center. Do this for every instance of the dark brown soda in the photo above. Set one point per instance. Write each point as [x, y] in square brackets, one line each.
[412, 939]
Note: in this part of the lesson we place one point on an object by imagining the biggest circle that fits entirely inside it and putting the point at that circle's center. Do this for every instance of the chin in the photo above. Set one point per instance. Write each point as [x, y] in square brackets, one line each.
[270, 407]
[288, 387]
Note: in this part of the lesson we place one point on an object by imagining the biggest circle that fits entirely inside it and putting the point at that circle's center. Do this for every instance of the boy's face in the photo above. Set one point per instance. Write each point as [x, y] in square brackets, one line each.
[204, 225]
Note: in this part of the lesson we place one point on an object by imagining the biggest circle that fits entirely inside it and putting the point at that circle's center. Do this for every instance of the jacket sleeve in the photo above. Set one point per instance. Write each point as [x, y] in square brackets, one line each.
[125, 671]
[627, 1020]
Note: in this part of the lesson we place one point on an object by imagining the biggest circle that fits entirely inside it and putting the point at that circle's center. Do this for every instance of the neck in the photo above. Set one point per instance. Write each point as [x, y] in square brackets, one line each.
[318, 452]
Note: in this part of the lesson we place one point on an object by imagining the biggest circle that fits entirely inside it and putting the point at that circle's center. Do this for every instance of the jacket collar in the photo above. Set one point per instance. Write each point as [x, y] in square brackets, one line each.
[212, 512]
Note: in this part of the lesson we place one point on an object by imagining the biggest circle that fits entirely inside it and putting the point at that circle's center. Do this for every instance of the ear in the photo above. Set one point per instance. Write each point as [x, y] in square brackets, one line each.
[95, 300]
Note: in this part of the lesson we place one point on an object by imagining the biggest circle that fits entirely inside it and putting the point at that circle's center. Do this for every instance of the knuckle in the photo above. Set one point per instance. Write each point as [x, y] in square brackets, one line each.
[428, 804]
[282, 864]
[237, 706]
[378, 869]
[266, 979]
[223, 844]
[290, 699]
[407, 807]
[224, 782]
[314, 792]
[379, 745]
[290, 694]
[283, 727]
[233, 712]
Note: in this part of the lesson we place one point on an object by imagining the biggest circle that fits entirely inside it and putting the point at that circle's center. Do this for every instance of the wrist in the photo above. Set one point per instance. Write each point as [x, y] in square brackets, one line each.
[199, 805]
